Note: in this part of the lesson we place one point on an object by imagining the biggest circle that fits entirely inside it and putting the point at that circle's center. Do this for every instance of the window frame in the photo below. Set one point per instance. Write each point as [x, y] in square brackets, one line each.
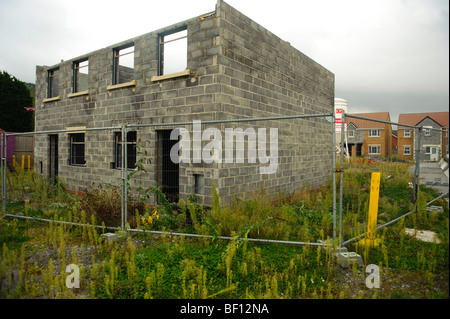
[407, 131]
[199, 184]
[73, 147]
[161, 42]
[75, 77]
[116, 62]
[426, 131]
[51, 74]
[131, 140]
[378, 132]
[406, 147]
[351, 133]
[378, 147]
[428, 149]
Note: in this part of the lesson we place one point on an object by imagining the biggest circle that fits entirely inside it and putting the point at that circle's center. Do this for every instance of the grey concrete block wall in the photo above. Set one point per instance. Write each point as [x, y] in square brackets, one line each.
[238, 69]
[262, 75]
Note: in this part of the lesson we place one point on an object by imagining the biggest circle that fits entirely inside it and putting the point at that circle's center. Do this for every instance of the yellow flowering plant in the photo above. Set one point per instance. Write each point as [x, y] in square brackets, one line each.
[148, 218]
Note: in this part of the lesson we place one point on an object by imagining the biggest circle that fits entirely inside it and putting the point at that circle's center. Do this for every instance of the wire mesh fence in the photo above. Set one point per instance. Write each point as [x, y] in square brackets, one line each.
[270, 179]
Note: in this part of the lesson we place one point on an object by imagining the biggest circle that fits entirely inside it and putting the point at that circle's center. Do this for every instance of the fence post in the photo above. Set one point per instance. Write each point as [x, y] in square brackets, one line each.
[417, 170]
[124, 175]
[125, 161]
[341, 186]
[122, 200]
[333, 144]
[4, 168]
[1, 164]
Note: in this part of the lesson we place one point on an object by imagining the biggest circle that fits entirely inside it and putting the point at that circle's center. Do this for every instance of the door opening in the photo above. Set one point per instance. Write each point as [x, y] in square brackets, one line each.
[168, 171]
[53, 158]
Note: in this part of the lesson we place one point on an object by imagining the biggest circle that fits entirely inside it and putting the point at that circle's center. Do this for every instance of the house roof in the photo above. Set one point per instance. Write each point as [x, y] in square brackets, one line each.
[415, 118]
[366, 124]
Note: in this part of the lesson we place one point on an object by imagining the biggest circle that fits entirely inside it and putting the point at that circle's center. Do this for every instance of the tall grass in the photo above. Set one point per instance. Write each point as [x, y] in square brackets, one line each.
[165, 267]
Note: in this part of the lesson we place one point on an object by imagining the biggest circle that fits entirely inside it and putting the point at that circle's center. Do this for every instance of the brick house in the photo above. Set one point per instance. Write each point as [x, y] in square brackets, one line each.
[434, 143]
[369, 138]
[231, 68]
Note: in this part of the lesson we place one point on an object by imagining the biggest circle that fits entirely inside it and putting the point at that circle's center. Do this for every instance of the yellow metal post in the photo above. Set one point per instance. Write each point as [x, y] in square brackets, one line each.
[23, 161]
[14, 161]
[371, 239]
[29, 161]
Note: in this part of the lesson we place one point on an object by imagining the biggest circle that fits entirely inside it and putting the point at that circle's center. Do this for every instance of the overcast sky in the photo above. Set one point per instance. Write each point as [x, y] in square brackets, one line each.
[387, 55]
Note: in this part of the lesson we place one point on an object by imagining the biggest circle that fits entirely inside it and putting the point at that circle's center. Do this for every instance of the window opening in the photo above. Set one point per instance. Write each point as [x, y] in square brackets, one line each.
[52, 83]
[80, 76]
[131, 149]
[77, 149]
[172, 52]
[199, 184]
[123, 65]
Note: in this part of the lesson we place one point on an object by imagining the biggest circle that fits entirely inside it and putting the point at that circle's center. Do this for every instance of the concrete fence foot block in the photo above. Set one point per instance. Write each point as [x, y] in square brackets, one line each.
[325, 246]
[110, 237]
[347, 259]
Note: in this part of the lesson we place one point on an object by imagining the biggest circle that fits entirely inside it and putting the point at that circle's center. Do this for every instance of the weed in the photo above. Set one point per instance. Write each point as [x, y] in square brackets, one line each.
[187, 268]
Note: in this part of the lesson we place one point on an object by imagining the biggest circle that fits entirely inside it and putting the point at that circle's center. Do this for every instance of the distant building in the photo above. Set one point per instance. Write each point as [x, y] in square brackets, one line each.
[434, 144]
[367, 137]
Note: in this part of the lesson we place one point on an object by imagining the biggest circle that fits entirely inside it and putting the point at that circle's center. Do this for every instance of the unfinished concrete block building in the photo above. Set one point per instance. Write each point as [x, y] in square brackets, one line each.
[231, 68]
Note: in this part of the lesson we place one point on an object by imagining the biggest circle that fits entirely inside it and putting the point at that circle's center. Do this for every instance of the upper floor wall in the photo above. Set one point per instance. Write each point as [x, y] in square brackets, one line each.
[133, 77]
[227, 65]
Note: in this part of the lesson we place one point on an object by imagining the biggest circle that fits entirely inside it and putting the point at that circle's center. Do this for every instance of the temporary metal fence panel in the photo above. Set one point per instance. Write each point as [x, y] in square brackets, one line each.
[124, 129]
[163, 148]
[416, 174]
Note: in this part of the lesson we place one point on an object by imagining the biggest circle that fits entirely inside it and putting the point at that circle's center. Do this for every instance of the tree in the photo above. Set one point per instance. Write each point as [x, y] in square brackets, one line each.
[14, 98]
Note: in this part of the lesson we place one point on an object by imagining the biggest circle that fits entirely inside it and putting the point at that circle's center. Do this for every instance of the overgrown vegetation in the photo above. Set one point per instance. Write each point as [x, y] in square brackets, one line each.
[15, 98]
[34, 254]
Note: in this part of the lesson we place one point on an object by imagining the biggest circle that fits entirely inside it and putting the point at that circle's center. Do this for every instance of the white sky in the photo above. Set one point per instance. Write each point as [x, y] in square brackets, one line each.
[387, 55]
